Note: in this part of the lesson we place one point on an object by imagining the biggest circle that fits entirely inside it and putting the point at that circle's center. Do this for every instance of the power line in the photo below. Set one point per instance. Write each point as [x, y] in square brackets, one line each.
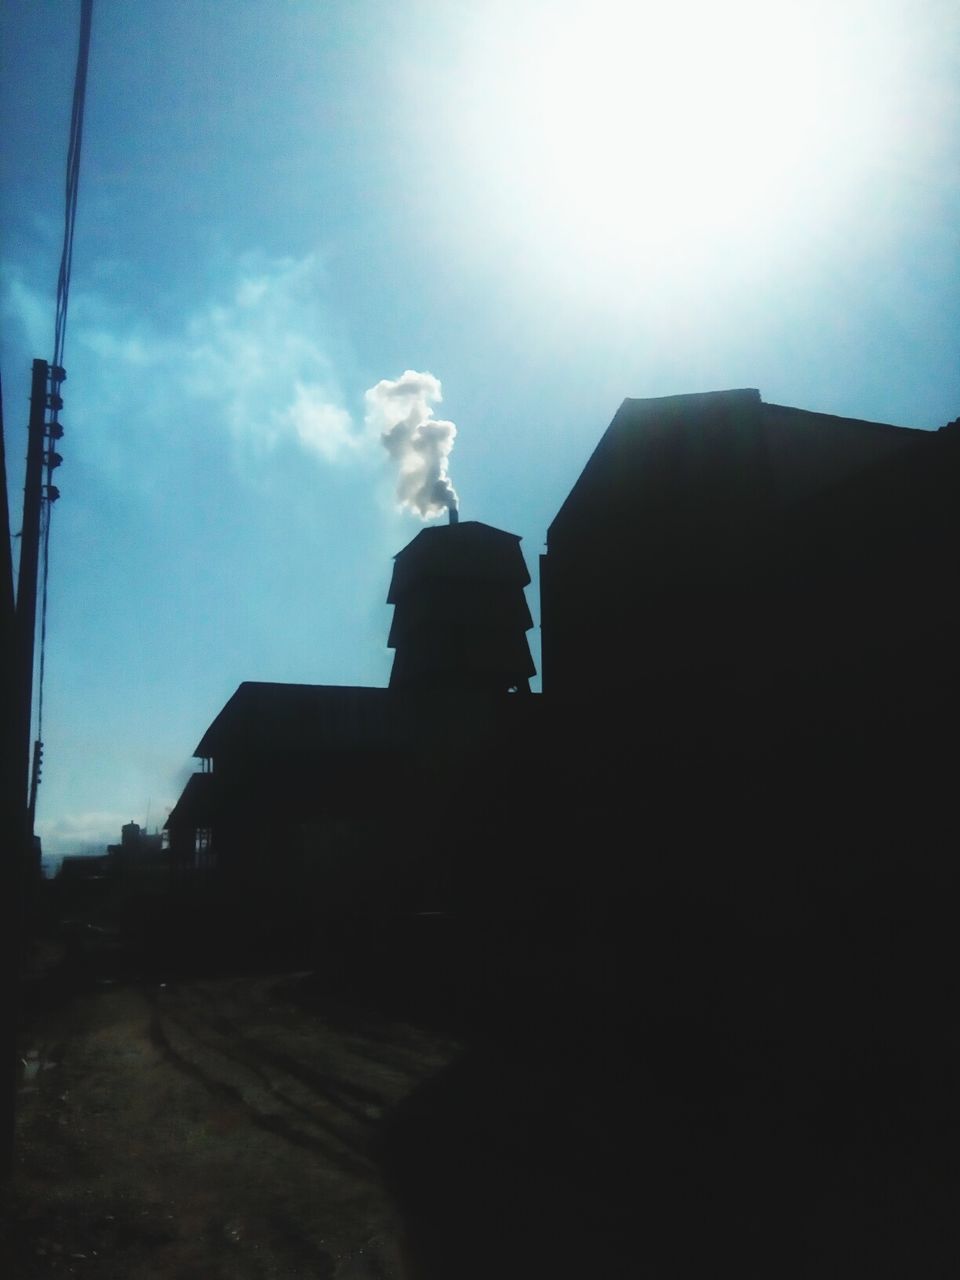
[52, 458]
[73, 179]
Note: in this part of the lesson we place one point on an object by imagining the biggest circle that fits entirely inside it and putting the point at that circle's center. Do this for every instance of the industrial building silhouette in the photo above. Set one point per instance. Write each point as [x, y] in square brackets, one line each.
[692, 905]
[732, 591]
[298, 778]
[746, 733]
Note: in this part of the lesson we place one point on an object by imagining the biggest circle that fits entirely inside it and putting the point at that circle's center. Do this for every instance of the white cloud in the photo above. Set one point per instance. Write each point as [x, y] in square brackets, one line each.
[259, 357]
[319, 426]
[23, 305]
[128, 349]
[250, 362]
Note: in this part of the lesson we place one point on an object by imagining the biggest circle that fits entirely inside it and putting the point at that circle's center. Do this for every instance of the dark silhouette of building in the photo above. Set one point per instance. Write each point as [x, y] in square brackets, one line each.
[712, 541]
[731, 589]
[699, 888]
[337, 796]
[746, 612]
[460, 618]
[136, 844]
[77, 868]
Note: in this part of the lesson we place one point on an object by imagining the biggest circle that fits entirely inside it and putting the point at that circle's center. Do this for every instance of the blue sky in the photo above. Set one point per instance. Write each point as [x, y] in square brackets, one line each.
[545, 206]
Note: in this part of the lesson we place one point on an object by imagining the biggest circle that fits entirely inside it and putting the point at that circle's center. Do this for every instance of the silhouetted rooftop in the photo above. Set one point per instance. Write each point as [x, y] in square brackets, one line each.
[673, 452]
[468, 551]
[197, 802]
[263, 717]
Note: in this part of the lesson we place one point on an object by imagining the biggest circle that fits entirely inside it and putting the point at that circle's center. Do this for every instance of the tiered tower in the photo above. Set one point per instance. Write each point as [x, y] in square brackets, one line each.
[460, 617]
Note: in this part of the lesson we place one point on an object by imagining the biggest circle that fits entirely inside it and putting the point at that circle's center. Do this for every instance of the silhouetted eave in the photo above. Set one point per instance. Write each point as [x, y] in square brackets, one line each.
[460, 606]
[268, 720]
[198, 802]
[468, 552]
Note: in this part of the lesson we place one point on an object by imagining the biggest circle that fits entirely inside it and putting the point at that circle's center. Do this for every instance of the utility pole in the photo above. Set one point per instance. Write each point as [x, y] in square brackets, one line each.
[18, 788]
[12, 829]
[40, 397]
[18, 782]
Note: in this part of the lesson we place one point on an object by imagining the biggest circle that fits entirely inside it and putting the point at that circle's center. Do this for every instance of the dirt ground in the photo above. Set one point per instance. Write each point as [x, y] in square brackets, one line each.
[206, 1129]
[247, 1125]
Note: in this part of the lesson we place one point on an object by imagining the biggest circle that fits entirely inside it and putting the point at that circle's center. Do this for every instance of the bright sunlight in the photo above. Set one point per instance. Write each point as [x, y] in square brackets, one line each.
[643, 136]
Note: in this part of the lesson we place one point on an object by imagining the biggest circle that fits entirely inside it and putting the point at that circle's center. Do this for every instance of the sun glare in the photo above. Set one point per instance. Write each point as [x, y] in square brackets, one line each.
[660, 123]
[638, 135]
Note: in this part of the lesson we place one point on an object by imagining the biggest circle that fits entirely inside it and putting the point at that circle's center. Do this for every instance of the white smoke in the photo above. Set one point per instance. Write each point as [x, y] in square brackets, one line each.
[418, 442]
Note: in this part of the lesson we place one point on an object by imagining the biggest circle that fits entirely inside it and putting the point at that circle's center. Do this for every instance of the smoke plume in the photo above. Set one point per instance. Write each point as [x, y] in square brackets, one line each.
[418, 442]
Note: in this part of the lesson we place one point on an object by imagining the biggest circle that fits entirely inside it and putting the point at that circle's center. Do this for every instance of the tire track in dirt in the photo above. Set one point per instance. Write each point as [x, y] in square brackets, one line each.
[361, 1104]
[243, 1097]
[393, 1052]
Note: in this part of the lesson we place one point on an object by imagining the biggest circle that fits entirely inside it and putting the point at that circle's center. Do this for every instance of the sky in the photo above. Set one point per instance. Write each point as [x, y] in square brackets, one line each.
[533, 209]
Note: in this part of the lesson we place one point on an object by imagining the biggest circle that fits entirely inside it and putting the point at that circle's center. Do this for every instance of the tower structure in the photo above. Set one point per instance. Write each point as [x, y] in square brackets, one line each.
[460, 614]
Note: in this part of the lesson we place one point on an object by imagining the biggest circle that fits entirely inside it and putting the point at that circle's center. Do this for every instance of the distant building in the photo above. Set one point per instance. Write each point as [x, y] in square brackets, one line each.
[76, 869]
[136, 845]
[137, 850]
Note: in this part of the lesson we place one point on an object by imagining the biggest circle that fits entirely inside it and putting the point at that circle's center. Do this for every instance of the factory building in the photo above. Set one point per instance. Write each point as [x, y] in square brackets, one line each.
[748, 624]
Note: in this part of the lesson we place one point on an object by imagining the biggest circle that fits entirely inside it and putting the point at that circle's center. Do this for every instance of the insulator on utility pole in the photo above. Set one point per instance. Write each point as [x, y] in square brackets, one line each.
[35, 778]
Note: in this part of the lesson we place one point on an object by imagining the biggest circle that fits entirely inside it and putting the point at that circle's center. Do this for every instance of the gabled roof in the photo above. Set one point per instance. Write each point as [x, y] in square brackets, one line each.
[671, 453]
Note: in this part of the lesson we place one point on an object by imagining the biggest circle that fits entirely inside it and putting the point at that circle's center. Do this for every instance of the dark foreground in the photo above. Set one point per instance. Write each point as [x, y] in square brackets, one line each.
[654, 1093]
[205, 1129]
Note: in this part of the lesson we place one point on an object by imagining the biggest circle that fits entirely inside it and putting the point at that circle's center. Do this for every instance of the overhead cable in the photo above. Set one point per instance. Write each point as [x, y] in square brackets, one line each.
[53, 431]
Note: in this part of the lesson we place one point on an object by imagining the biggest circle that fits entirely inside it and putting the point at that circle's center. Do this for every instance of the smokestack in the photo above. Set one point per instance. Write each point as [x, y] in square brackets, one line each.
[454, 513]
